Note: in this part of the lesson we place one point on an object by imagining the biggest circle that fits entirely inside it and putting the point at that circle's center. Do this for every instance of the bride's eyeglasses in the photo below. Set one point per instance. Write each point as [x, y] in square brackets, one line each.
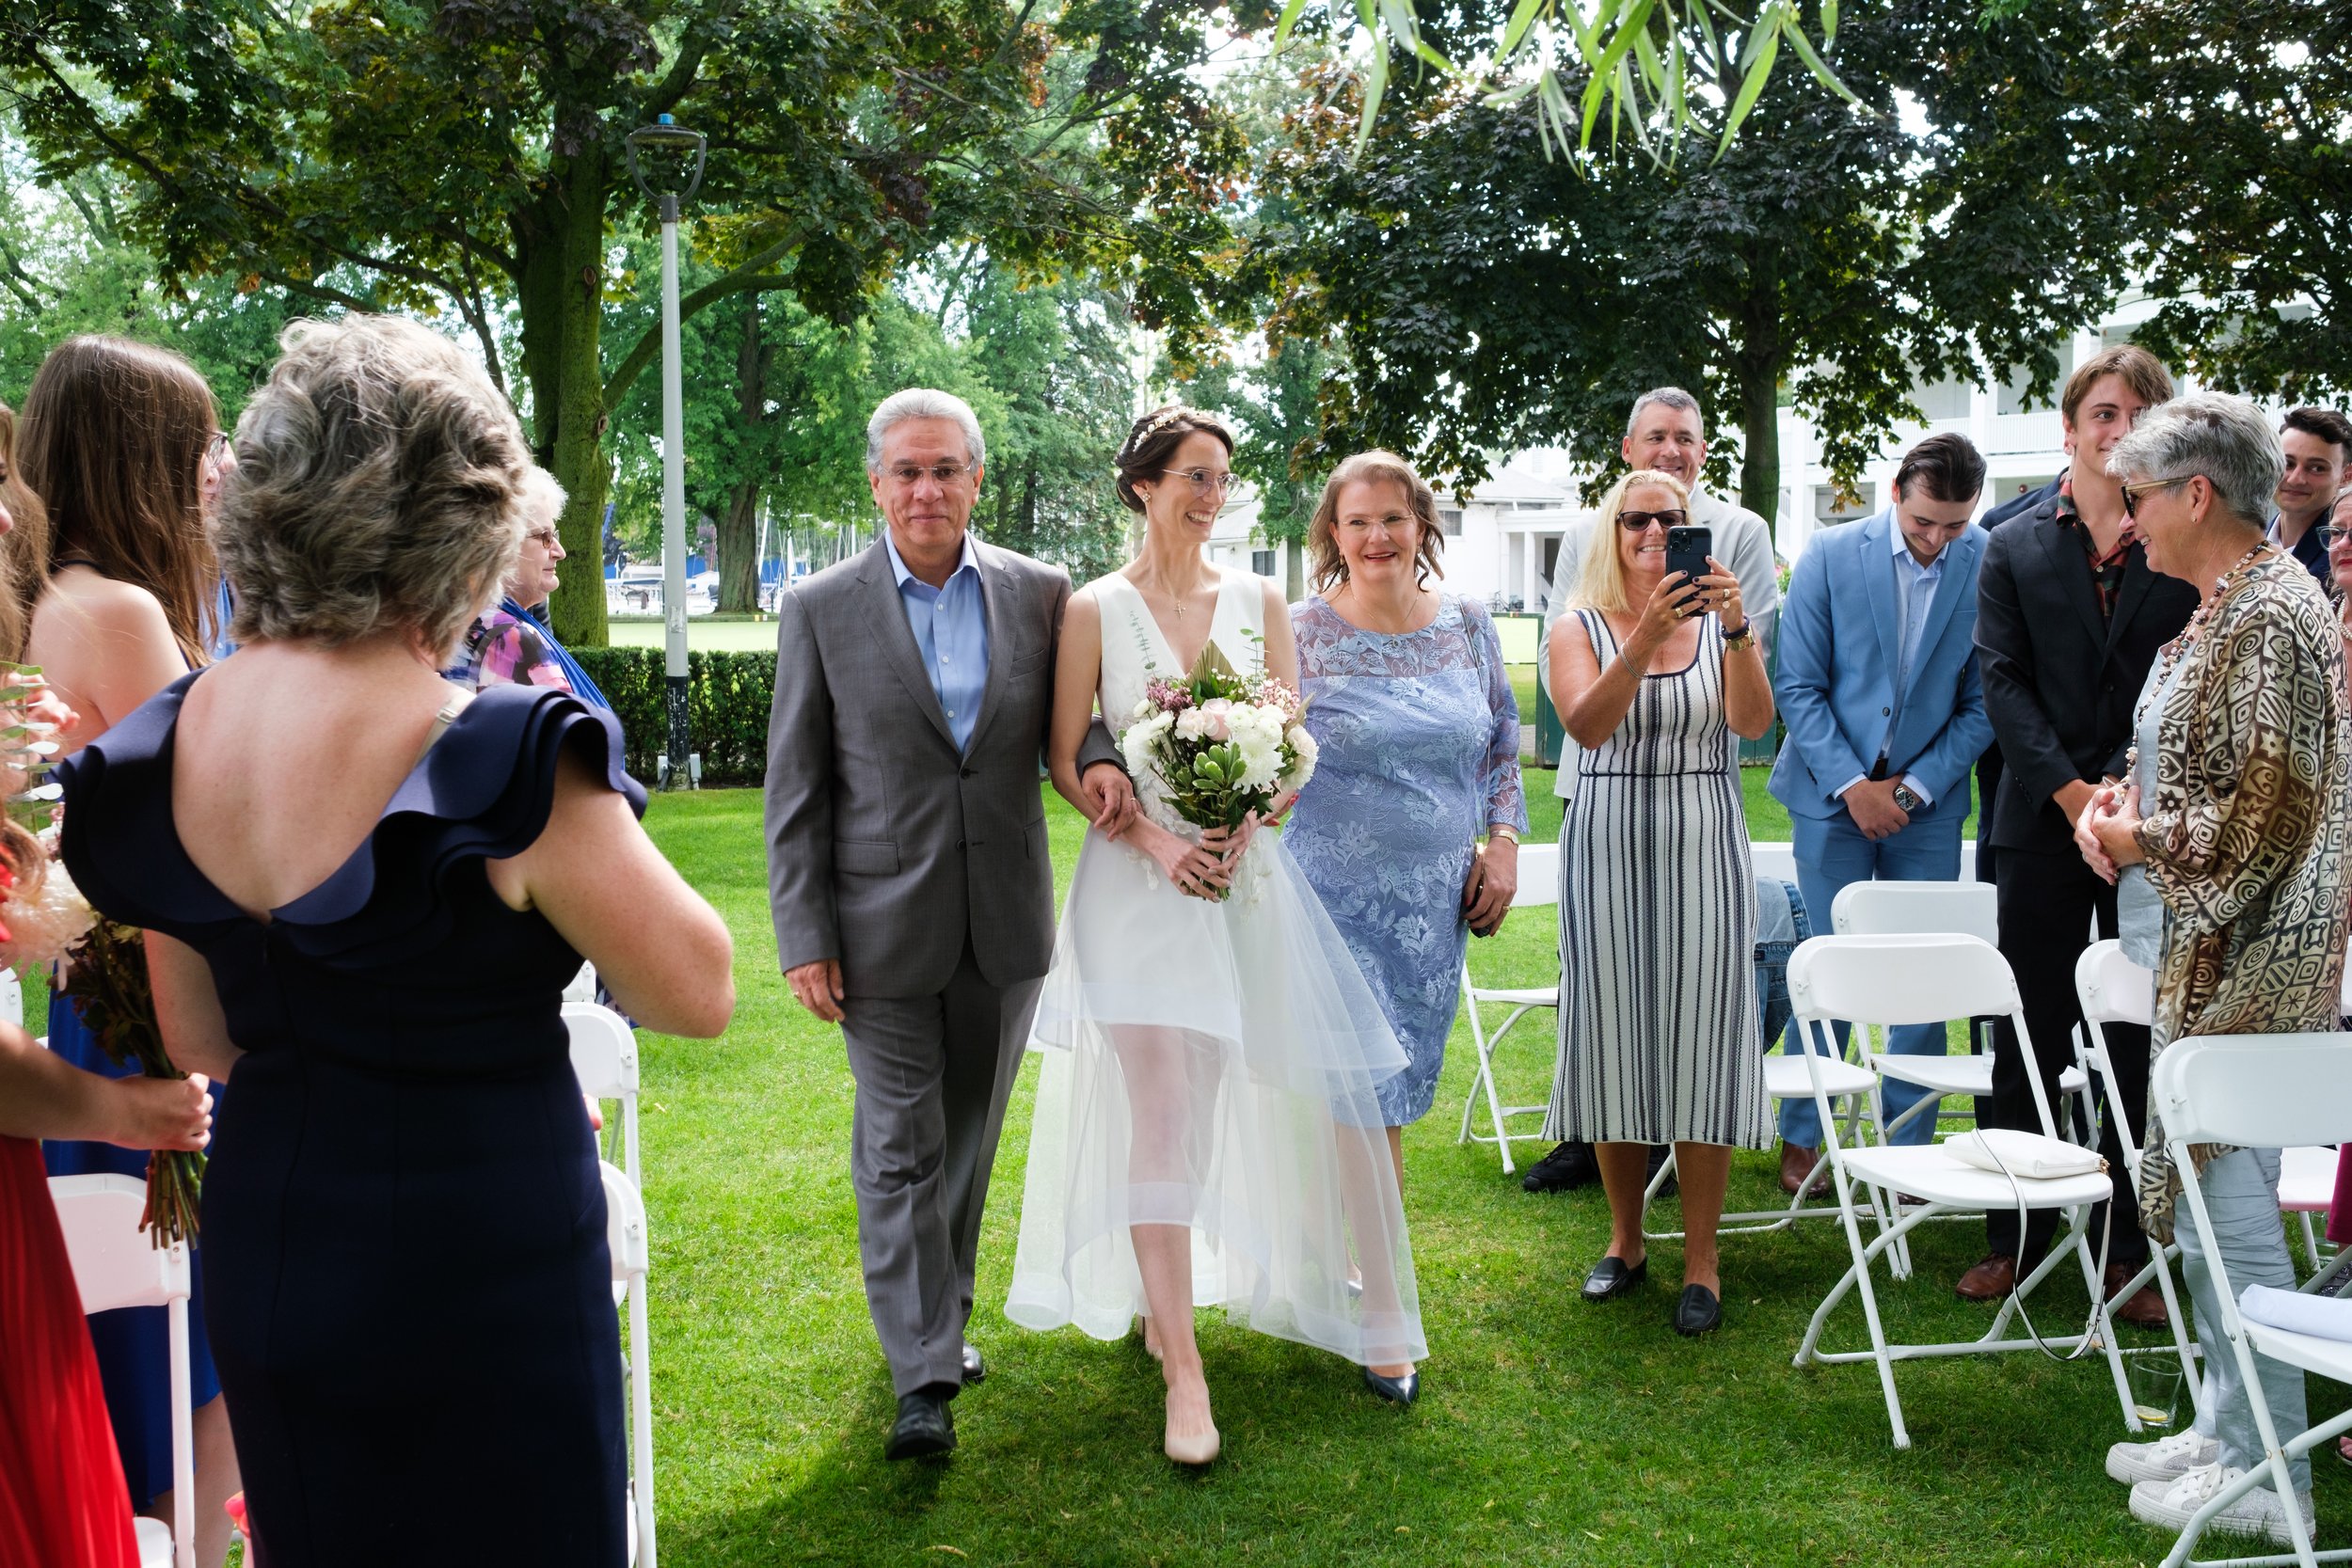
[1202, 481]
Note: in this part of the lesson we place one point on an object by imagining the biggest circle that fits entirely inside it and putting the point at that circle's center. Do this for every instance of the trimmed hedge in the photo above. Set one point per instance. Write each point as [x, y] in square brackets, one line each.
[728, 697]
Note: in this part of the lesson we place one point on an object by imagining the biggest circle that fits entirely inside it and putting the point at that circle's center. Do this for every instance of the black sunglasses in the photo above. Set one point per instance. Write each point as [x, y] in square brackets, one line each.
[1635, 522]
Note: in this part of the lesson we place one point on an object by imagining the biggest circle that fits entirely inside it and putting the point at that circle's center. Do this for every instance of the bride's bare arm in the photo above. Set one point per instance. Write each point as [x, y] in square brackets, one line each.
[1077, 670]
[1282, 643]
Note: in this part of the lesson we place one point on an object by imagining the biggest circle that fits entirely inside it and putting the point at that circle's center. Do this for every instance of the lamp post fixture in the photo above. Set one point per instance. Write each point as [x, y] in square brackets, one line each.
[677, 174]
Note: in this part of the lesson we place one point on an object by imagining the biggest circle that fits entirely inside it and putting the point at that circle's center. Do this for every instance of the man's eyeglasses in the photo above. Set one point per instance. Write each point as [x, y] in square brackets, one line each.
[1636, 522]
[1202, 481]
[945, 475]
[2133, 491]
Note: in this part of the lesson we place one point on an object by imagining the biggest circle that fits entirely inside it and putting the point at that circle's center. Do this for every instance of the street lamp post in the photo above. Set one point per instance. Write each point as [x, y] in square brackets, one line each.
[678, 175]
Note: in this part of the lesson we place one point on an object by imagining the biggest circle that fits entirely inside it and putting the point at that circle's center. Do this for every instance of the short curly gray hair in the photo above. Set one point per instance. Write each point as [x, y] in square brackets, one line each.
[2224, 439]
[380, 484]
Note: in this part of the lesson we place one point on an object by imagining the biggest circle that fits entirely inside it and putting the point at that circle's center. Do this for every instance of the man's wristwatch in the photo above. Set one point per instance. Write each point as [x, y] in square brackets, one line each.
[1905, 798]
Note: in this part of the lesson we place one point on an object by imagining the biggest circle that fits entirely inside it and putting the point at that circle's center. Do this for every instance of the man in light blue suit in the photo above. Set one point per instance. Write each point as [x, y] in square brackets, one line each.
[1877, 683]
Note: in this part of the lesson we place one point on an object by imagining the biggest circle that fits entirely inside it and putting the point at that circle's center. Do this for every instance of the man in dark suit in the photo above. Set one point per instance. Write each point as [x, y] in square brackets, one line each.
[2069, 620]
[1989, 764]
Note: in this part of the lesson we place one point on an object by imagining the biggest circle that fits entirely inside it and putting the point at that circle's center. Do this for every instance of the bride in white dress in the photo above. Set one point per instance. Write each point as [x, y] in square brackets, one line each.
[1206, 1132]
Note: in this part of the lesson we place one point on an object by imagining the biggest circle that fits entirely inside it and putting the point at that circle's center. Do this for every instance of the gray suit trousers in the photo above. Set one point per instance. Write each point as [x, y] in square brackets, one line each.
[933, 1074]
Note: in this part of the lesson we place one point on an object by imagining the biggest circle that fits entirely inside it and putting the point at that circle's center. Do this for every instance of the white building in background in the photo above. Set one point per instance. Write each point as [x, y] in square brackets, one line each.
[1502, 539]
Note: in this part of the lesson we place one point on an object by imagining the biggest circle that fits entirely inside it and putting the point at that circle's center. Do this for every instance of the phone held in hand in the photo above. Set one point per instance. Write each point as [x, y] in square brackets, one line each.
[1687, 549]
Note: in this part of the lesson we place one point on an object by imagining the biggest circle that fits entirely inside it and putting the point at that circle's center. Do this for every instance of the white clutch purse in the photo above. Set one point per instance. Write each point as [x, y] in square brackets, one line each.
[2036, 1155]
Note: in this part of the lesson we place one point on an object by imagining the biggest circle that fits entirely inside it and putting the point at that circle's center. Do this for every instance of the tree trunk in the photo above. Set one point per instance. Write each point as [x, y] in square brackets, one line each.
[739, 526]
[1755, 369]
[559, 240]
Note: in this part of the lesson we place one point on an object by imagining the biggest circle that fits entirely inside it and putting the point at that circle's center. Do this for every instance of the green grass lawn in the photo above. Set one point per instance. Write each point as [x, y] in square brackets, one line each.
[1549, 1431]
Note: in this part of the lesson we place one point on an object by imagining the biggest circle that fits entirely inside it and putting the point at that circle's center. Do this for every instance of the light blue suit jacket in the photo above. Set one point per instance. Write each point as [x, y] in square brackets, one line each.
[1839, 647]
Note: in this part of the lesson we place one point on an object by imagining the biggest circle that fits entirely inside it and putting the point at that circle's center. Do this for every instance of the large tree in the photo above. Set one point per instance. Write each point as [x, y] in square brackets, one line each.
[468, 156]
[2242, 163]
[1492, 294]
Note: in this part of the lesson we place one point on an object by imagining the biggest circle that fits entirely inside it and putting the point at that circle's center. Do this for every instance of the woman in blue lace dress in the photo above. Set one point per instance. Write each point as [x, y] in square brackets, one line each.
[1418, 739]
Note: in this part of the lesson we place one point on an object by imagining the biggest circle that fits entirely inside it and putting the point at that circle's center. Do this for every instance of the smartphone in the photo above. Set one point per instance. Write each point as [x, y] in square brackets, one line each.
[1687, 549]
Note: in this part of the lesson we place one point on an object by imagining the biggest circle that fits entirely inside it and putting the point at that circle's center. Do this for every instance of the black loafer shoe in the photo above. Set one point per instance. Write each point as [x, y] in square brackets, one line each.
[1396, 1390]
[1611, 1278]
[974, 1370]
[925, 1426]
[1699, 1312]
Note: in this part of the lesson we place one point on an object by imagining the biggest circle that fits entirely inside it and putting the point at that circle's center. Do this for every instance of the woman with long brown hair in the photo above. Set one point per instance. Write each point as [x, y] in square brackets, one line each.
[123, 443]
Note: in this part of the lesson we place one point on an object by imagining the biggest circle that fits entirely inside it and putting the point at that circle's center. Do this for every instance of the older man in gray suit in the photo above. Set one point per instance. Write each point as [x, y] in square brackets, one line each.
[907, 867]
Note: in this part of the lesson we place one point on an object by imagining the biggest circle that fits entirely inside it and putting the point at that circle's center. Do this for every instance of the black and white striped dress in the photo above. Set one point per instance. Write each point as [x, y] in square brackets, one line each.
[1658, 1026]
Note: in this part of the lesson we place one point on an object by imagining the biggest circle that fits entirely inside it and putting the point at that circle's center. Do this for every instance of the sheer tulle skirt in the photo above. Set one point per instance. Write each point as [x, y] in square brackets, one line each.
[1212, 1066]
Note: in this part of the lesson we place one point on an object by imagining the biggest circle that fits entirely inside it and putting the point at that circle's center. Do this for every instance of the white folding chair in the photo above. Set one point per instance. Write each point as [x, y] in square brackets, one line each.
[1773, 860]
[1887, 980]
[2307, 1186]
[2114, 990]
[1539, 888]
[1930, 909]
[583, 985]
[632, 1256]
[604, 1057]
[115, 1264]
[2258, 1091]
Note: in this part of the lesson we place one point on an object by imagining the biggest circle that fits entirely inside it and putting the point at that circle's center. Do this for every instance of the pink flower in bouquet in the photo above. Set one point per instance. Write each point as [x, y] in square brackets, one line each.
[1216, 719]
[1167, 695]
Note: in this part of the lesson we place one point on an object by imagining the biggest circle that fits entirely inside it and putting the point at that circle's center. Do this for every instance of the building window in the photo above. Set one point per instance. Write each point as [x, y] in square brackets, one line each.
[2012, 400]
[1825, 505]
[1449, 522]
[1946, 400]
[1261, 562]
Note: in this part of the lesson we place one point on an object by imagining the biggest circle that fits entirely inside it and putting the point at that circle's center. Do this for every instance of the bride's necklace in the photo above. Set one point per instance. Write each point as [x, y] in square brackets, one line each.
[2178, 648]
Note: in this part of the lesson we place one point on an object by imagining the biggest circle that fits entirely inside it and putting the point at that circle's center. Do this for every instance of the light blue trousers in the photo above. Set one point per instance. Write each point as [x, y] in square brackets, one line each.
[1830, 853]
[2242, 1196]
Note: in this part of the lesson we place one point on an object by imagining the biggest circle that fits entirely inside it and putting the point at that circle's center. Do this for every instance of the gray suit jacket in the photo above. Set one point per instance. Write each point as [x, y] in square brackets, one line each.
[886, 849]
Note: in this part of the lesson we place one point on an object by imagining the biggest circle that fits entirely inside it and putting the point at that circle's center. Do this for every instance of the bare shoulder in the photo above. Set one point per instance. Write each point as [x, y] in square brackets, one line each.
[1270, 599]
[79, 604]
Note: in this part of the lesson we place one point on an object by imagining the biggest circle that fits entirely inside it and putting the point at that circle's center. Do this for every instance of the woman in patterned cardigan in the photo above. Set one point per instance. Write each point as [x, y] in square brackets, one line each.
[2233, 819]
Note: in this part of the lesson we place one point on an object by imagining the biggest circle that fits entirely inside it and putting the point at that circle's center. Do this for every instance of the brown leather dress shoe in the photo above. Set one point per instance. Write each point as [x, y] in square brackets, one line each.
[1796, 1164]
[1990, 1280]
[2145, 1307]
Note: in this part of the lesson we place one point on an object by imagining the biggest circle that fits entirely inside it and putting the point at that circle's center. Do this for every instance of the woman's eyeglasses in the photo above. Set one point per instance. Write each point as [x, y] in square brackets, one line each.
[1202, 481]
[221, 446]
[1636, 522]
[2133, 491]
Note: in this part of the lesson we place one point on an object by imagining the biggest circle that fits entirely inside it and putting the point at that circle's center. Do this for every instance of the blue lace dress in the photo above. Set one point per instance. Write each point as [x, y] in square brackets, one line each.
[1419, 742]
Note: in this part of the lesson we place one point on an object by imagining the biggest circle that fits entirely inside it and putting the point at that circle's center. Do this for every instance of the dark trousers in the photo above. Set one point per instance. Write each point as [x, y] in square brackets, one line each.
[933, 1074]
[2048, 902]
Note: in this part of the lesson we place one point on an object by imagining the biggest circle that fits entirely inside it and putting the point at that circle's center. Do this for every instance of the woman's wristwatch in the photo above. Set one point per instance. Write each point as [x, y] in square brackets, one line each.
[1503, 830]
[1744, 636]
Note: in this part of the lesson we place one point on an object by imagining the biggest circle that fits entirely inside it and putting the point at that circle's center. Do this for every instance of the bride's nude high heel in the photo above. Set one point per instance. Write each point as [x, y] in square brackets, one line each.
[1191, 1448]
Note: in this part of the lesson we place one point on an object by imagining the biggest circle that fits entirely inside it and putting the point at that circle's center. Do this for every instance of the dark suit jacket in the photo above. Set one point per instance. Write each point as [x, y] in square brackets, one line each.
[1989, 764]
[2059, 684]
[887, 849]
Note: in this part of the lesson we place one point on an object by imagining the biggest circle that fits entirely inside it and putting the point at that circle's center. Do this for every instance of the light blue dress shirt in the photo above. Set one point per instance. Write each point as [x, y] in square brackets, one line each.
[1915, 595]
[950, 627]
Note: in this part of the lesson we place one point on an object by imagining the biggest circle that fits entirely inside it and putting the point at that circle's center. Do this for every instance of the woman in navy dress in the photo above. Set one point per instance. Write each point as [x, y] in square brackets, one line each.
[123, 443]
[364, 890]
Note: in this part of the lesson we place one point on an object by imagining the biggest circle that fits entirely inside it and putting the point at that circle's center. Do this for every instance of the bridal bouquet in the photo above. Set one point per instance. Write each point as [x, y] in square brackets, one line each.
[1222, 744]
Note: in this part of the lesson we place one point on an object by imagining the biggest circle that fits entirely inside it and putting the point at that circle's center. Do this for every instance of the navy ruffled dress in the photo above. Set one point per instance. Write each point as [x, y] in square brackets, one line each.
[408, 1290]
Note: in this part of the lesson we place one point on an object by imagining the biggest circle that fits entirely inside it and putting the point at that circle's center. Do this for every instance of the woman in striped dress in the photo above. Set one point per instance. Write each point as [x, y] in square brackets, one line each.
[1656, 675]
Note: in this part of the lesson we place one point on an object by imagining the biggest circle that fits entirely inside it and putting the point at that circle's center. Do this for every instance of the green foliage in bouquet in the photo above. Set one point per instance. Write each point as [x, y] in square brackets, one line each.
[107, 981]
[25, 750]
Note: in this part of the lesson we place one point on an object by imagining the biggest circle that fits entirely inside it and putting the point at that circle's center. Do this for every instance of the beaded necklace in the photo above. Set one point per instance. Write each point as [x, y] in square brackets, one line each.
[2178, 648]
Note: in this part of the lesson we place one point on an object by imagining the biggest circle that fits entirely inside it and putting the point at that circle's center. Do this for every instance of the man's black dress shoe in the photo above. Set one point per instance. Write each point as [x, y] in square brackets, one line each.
[925, 1426]
[1569, 1166]
[1396, 1390]
[1699, 1312]
[974, 1370]
[1611, 1278]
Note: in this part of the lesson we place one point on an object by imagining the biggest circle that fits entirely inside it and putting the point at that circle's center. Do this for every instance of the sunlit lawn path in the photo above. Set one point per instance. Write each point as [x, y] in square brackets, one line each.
[1551, 1430]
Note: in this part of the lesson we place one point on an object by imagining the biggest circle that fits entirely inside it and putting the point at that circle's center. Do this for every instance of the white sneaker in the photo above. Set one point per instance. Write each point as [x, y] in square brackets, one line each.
[2256, 1513]
[2166, 1459]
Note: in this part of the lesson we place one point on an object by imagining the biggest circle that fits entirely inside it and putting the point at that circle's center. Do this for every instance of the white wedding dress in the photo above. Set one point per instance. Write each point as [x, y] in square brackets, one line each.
[1210, 1065]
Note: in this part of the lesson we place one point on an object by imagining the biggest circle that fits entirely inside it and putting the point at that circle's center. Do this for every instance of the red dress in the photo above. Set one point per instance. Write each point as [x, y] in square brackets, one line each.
[62, 1497]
